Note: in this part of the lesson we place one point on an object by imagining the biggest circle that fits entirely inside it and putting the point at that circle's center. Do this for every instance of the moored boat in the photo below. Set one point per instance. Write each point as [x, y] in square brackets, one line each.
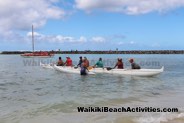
[41, 54]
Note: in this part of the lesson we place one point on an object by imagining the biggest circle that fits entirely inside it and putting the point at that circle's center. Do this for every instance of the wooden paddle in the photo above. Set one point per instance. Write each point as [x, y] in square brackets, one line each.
[109, 68]
[90, 67]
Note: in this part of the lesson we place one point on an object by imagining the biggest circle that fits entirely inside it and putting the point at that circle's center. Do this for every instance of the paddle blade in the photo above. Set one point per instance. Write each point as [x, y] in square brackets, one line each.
[109, 68]
[90, 67]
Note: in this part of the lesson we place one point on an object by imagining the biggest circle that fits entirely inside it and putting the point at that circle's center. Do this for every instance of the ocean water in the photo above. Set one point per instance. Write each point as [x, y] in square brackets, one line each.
[32, 94]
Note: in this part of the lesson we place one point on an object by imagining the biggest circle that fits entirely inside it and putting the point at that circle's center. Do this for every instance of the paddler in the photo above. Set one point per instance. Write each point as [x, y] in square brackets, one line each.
[119, 64]
[99, 63]
[133, 64]
[60, 62]
[68, 61]
[86, 62]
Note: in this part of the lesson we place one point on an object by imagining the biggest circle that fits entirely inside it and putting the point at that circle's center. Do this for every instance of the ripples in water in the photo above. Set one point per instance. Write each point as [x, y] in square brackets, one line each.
[30, 92]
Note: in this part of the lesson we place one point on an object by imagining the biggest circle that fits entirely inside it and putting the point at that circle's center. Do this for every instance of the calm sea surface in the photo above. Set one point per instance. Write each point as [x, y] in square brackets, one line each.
[32, 94]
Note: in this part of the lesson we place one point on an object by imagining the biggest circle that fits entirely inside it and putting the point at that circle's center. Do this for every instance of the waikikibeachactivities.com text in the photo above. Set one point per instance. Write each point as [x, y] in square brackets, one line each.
[126, 109]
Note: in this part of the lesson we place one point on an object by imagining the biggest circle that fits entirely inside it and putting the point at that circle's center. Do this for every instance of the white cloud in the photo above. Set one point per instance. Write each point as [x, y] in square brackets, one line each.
[64, 39]
[132, 42]
[126, 43]
[56, 38]
[131, 7]
[29, 34]
[120, 43]
[82, 39]
[21, 14]
[98, 39]
[61, 39]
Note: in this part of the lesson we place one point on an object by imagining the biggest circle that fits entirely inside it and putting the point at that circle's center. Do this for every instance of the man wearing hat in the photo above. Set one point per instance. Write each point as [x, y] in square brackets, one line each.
[68, 61]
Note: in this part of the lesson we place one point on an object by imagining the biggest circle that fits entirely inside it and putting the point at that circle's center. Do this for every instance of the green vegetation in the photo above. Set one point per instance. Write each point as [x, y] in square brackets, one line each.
[105, 52]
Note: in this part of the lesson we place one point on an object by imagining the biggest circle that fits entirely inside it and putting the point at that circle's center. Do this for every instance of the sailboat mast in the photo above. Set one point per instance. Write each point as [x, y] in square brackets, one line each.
[32, 39]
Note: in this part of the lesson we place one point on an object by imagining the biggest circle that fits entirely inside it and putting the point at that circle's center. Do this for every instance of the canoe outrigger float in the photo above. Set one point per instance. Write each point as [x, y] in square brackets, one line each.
[131, 72]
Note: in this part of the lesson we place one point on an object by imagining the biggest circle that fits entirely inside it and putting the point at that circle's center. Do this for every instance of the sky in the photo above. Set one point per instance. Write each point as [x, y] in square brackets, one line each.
[92, 24]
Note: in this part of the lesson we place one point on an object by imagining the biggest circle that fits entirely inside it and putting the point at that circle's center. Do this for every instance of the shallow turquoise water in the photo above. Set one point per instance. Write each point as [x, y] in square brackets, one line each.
[30, 93]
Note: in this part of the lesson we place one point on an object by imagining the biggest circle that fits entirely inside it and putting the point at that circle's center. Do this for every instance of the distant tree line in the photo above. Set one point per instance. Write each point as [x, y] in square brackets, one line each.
[105, 52]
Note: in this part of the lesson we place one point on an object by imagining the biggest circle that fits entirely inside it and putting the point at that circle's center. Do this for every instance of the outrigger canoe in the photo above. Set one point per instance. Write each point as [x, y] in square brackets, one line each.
[132, 72]
[69, 69]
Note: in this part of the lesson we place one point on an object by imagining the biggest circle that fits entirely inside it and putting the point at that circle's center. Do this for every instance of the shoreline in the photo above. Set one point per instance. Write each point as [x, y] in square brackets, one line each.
[103, 52]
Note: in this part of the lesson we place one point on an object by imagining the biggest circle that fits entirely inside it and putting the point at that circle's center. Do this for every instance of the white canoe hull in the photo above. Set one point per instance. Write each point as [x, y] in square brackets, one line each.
[67, 69]
[132, 72]
[49, 66]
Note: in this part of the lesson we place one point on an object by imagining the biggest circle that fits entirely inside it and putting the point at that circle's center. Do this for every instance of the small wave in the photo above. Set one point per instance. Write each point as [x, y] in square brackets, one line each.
[4, 89]
[160, 117]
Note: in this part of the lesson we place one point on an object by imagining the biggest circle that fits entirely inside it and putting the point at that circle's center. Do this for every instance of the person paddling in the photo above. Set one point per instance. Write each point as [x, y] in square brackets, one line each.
[99, 63]
[119, 64]
[86, 62]
[133, 64]
[60, 62]
[68, 61]
[80, 62]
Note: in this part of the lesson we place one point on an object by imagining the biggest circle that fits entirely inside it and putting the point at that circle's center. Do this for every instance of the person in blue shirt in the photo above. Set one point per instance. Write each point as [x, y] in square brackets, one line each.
[99, 63]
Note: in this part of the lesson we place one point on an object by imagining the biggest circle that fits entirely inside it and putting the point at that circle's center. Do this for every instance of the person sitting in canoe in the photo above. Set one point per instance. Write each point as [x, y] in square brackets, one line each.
[86, 62]
[60, 62]
[133, 64]
[68, 61]
[80, 62]
[99, 63]
[119, 64]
